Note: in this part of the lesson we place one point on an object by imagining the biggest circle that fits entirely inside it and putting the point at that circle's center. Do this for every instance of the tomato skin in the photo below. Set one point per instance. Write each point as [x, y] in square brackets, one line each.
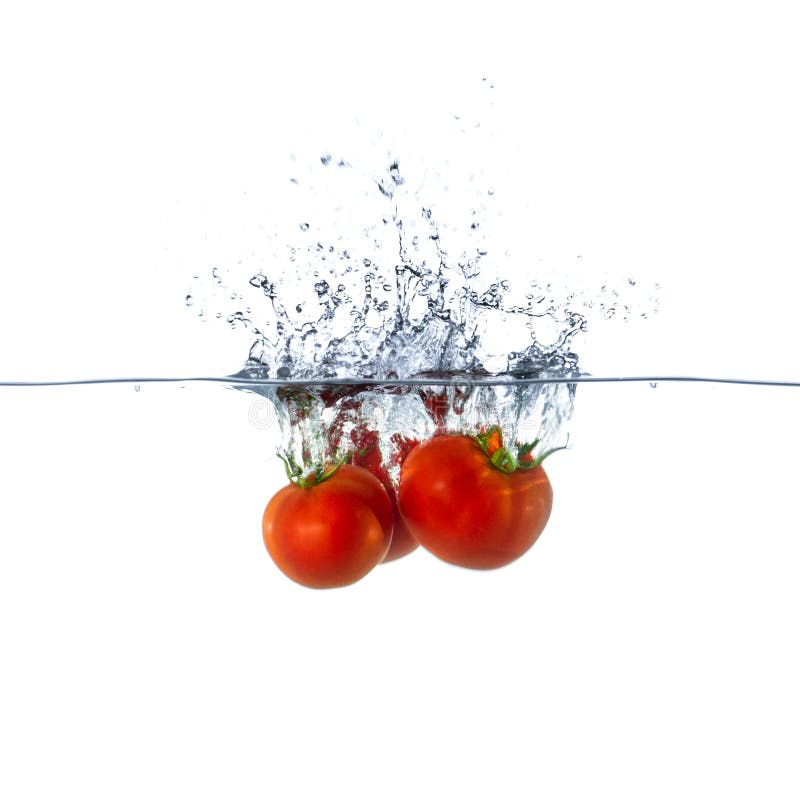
[330, 534]
[464, 510]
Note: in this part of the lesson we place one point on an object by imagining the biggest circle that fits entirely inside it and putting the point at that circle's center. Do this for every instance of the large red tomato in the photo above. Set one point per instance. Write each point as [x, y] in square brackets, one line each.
[471, 509]
[332, 532]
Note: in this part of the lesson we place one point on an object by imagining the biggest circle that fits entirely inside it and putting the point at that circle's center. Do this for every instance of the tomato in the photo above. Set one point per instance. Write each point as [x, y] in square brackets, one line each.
[368, 455]
[332, 532]
[473, 504]
[364, 450]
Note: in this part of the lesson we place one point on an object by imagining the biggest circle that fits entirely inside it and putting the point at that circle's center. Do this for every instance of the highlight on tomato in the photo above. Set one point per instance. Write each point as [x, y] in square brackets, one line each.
[473, 502]
[330, 527]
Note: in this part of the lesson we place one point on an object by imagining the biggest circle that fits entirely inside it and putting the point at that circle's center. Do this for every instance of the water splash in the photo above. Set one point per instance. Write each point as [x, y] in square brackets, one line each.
[383, 276]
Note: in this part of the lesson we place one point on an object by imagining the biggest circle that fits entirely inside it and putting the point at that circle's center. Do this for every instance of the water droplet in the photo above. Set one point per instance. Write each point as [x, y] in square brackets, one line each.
[325, 159]
[189, 299]
[304, 226]
[136, 387]
[394, 172]
[631, 281]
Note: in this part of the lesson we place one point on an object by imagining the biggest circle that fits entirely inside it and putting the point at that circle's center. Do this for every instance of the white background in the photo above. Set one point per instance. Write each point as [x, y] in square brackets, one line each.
[647, 646]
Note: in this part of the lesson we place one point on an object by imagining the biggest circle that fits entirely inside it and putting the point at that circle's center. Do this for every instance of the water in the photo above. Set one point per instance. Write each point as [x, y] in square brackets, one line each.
[317, 422]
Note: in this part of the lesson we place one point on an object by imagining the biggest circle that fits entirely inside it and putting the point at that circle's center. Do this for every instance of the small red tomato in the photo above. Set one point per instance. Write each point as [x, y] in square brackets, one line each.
[368, 455]
[329, 533]
[471, 509]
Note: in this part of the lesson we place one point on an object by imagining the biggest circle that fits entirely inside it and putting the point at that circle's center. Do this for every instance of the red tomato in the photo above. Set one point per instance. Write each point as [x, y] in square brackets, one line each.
[466, 510]
[368, 455]
[331, 533]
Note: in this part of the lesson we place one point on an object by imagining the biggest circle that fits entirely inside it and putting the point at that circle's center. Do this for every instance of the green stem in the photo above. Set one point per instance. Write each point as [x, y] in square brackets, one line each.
[504, 460]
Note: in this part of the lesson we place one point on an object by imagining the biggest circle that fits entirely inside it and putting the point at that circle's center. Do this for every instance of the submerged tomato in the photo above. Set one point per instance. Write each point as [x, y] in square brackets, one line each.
[330, 533]
[368, 455]
[468, 511]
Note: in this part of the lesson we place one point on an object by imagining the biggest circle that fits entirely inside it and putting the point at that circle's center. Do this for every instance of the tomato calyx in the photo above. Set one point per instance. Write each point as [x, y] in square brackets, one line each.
[490, 441]
[310, 474]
